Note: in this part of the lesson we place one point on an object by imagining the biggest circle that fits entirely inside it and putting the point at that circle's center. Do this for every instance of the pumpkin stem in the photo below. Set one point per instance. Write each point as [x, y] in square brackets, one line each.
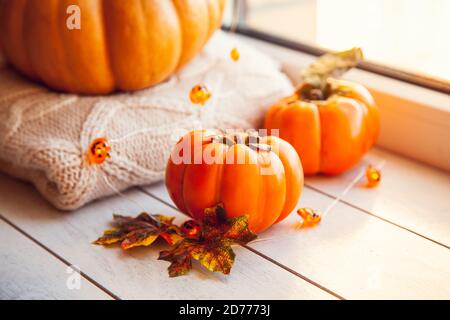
[330, 65]
[250, 140]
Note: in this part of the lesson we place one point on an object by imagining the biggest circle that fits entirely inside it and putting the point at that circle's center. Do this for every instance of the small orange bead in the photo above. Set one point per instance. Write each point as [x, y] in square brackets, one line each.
[235, 55]
[98, 151]
[199, 94]
[310, 217]
[191, 228]
[373, 176]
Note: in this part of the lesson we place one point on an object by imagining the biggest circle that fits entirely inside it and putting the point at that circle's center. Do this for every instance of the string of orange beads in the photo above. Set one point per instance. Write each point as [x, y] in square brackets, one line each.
[99, 148]
[310, 217]
[373, 176]
[191, 228]
[97, 153]
[199, 94]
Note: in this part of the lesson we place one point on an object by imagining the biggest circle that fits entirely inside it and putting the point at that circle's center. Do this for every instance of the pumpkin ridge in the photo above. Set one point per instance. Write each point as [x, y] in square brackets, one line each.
[219, 181]
[319, 125]
[181, 38]
[262, 197]
[187, 24]
[183, 174]
[146, 33]
[26, 52]
[211, 18]
[107, 44]
[180, 31]
[70, 76]
[159, 74]
[266, 195]
[8, 43]
[58, 54]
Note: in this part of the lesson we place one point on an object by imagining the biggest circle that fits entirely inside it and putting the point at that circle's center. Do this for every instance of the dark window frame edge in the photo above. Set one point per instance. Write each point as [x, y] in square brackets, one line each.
[411, 78]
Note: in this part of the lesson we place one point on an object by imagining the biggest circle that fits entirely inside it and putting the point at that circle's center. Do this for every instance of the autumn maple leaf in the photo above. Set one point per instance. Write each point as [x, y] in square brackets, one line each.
[211, 246]
[140, 231]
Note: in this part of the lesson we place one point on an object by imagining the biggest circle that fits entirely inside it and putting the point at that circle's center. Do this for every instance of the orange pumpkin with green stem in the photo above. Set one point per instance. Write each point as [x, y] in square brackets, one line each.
[124, 45]
[331, 123]
[261, 177]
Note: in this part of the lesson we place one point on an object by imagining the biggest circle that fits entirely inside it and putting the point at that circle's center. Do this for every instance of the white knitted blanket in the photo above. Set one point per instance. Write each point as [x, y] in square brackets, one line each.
[44, 136]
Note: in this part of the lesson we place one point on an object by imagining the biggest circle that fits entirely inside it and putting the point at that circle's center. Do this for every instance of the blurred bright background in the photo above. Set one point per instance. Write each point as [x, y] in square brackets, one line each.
[410, 35]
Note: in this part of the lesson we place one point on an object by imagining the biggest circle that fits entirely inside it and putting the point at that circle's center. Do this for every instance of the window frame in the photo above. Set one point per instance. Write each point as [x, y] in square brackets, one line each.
[415, 118]
[239, 12]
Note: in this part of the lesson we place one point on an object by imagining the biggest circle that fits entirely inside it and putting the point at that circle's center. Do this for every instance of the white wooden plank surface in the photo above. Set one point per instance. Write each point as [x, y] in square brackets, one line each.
[410, 194]
[359, 256]
[27, 271]
[356, 255]
[136, 273]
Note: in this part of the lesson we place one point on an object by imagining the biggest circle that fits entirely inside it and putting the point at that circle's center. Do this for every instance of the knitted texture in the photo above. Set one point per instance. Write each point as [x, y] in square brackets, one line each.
[44, 136]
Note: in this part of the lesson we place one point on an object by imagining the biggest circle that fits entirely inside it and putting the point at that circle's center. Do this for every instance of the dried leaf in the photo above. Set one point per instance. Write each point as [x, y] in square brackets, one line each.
[331, 65]
[216, 256]
[216, 223]
[181, 262]
[212, 246]
[140, 231]
[239, 231]
[208, 241]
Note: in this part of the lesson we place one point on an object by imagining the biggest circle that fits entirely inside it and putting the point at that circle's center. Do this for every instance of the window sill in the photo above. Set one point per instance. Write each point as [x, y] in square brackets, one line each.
[415, 120]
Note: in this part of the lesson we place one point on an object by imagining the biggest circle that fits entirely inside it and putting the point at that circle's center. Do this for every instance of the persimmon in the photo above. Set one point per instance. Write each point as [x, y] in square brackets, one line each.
[331, 123]
[261, 177]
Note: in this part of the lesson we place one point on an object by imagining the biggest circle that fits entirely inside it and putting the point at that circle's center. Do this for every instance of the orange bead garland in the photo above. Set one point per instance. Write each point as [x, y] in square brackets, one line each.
[191, 228]
[373, 176]
[310, 217]
[98, 151]
[199, 94]
[235, 55]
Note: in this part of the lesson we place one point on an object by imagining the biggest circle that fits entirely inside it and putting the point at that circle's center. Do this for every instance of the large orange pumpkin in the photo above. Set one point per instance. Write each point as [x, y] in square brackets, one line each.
[261, 177]
[331, 123]
[125, 45]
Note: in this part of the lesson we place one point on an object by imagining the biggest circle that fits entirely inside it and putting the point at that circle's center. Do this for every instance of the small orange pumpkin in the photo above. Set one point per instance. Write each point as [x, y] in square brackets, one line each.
[261, 177]
[331, 123]
[125, 45]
